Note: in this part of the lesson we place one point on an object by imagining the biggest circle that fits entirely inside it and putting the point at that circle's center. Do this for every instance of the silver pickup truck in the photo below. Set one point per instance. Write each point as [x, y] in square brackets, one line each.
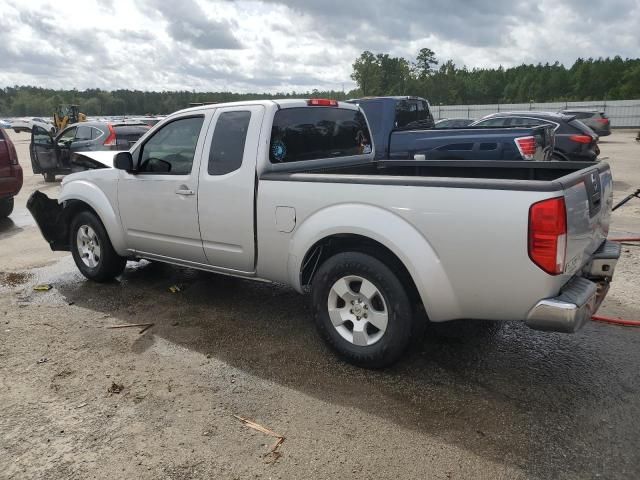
[288, 191]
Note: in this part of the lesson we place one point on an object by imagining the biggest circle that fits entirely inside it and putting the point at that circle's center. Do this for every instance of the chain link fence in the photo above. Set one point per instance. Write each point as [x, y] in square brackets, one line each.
[622, 113]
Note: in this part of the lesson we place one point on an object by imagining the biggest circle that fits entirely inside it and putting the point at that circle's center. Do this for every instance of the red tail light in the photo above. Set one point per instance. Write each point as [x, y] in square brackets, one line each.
[322, 102]
[603, 121]
[548, 235]
[111, 138]
[527, 147]
[581, 138]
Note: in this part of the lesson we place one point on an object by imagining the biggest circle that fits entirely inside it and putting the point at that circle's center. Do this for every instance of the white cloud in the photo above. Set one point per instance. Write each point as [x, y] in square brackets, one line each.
[284, 45]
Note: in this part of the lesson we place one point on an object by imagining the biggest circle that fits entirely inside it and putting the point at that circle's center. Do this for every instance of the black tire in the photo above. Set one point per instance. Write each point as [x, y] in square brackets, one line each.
[395, 339]
[110, 264]
[49, 177]
[6, 207]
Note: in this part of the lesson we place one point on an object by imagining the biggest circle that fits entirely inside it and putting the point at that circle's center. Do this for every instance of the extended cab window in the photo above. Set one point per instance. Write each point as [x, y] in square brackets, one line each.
[227, 145]
[318, 132]
[171, 149]
[413, 114]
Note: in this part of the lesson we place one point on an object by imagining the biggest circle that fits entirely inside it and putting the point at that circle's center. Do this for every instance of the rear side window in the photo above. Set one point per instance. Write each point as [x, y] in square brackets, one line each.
[83, 133]
[413, 114]
[227, 145]
[492, 122]
[525, 122]
[312, 133]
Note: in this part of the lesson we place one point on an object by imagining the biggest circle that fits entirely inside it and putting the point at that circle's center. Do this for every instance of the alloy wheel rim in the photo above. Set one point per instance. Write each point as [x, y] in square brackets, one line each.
[358, 310]
[88, 246]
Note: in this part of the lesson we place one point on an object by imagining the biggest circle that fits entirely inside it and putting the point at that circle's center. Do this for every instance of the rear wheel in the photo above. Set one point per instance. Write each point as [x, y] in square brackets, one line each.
[6, 207]
[49, 177]
[362, 309]
[92, 250]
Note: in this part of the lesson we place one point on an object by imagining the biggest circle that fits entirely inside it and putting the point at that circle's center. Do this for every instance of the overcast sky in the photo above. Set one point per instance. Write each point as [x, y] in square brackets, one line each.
[284, 45]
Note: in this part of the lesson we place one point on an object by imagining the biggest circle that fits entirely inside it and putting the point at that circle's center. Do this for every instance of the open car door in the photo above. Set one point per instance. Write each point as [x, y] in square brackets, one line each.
[45, 154]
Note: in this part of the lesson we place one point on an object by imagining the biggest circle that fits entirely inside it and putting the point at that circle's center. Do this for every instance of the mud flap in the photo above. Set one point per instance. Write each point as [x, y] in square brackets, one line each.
[51, 219]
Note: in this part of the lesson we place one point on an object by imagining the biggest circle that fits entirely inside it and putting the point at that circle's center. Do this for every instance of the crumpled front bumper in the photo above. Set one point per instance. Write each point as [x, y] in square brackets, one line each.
[580, 298]
[51, 219]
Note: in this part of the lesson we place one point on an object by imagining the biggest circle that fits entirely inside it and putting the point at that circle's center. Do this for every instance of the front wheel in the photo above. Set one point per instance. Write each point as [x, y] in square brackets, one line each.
[362, 309]
[6, 207]
[92, 250]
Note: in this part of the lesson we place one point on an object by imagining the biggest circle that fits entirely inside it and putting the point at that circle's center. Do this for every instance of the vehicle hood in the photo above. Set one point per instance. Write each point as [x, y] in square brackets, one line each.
[91, 160]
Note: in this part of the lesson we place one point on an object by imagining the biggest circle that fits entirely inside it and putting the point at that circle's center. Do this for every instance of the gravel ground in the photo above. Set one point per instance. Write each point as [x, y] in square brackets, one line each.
[80, 400]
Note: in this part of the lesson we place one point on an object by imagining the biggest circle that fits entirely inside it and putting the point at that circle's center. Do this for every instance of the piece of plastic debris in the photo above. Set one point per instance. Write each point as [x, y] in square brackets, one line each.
[43, 287]
[43, 360]
[175, 288]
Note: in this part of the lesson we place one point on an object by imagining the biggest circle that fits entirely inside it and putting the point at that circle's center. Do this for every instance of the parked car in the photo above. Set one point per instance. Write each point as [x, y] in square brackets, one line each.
[454, 122]
[26, 125]
[10, 174]
[573, 139]
[595, 120]
[53, 156]
[403, 128]
[289, 191]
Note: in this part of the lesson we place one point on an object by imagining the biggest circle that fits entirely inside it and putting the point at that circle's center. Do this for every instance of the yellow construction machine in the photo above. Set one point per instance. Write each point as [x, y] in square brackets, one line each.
[66, 115]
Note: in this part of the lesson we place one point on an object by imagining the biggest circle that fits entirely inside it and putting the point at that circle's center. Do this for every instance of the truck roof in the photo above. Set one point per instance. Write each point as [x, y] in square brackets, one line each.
[281, 103]
[390, 97]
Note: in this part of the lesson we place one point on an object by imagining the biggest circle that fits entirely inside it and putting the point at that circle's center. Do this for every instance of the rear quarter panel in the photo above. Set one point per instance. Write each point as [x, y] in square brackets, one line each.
[466, 249]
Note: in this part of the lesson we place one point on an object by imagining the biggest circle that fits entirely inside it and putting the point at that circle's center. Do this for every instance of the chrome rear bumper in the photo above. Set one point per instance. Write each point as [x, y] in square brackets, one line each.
[580, 298]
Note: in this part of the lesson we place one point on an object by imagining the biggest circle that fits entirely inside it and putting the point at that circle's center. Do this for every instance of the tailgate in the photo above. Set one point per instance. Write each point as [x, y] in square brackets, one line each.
[588, 198]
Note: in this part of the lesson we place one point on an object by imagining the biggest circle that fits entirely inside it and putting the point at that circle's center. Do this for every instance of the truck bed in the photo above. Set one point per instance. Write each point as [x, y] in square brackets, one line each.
[500, 175]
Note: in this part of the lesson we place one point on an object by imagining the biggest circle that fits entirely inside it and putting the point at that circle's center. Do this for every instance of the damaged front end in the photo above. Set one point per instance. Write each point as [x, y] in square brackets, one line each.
[52, 219]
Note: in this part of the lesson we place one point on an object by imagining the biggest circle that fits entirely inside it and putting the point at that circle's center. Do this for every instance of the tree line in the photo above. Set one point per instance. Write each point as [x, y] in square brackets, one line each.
[375, 74]
[446, 83]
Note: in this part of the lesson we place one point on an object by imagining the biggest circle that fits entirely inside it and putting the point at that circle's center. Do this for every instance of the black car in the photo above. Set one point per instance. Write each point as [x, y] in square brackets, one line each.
[454, 123]
[52, 156]
[574, 141]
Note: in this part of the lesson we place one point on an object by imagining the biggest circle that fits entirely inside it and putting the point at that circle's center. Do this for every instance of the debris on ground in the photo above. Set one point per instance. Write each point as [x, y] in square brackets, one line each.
[13, 279]
[115, 388]
[43, 360]
[44, 287]
[146, 326]
[175, 288]
[273, 451]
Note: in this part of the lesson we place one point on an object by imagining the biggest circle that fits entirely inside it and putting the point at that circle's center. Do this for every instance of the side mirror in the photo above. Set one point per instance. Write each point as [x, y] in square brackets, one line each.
[123, 161]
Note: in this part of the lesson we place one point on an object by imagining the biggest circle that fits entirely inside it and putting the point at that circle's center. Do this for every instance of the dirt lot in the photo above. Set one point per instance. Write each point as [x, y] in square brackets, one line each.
[80, 400]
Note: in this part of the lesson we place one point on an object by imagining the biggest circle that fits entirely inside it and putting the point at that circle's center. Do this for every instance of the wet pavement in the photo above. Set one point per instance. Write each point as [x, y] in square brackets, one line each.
[544, 403]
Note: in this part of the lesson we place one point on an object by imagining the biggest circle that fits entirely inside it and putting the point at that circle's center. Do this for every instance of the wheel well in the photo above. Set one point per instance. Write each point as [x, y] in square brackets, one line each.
[71, 209]
[334, 244]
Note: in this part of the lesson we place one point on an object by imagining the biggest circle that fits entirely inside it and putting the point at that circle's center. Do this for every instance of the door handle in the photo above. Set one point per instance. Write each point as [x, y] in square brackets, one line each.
[185, 191]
